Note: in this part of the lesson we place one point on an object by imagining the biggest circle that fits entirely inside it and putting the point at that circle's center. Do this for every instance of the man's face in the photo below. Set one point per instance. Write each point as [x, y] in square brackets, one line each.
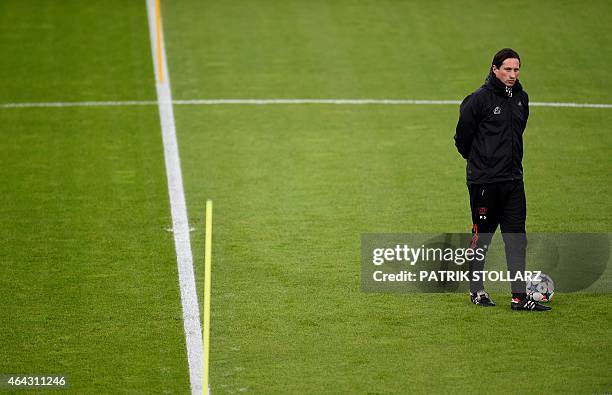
[508, 71]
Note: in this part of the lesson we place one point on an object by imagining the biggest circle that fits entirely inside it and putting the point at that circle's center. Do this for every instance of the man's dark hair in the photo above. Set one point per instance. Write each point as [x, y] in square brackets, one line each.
[506, 53]
[498, 59]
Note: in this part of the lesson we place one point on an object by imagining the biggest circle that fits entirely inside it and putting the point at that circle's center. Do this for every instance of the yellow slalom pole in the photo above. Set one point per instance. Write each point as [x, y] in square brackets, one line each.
[207, 292]
[158, 46]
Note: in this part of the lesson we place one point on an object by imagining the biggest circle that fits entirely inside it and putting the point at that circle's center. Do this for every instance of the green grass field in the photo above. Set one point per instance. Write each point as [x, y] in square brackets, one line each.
[89, 283]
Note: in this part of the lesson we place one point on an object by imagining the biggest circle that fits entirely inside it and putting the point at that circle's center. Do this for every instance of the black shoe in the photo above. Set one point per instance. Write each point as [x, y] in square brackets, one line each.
[527, 304]
[481, 298]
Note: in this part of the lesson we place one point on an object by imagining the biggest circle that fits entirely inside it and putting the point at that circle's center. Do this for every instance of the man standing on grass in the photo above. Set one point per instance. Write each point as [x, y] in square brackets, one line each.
[489, 135]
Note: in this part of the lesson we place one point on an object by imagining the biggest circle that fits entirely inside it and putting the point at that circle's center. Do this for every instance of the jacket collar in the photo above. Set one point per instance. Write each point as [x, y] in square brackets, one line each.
[494, 84]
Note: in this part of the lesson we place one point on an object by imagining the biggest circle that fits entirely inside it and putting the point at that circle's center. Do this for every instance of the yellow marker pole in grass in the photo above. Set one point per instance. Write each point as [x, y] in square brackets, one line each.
[158, 42]
[207, 289]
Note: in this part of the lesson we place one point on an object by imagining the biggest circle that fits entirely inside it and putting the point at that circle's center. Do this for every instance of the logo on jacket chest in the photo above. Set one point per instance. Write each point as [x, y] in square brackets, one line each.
[497, 110]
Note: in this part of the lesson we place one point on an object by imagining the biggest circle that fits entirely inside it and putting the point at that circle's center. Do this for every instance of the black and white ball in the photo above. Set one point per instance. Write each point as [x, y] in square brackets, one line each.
[543, 290]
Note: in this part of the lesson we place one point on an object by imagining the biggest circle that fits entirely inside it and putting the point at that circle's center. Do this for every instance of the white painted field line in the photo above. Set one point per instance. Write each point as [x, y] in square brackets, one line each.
[212, 102]
[367, 101]
[180, 225]
[312, 101]
[578, 105]
[81, 104]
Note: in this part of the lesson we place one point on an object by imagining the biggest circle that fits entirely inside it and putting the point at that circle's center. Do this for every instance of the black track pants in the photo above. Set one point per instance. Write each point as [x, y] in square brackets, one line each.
[503, 204]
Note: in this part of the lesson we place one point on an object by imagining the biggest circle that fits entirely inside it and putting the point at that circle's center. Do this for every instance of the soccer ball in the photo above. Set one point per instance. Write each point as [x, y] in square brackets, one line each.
[543, 290]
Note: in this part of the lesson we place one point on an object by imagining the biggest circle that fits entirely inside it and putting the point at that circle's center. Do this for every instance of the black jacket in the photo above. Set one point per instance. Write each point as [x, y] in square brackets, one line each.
[489, 133]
